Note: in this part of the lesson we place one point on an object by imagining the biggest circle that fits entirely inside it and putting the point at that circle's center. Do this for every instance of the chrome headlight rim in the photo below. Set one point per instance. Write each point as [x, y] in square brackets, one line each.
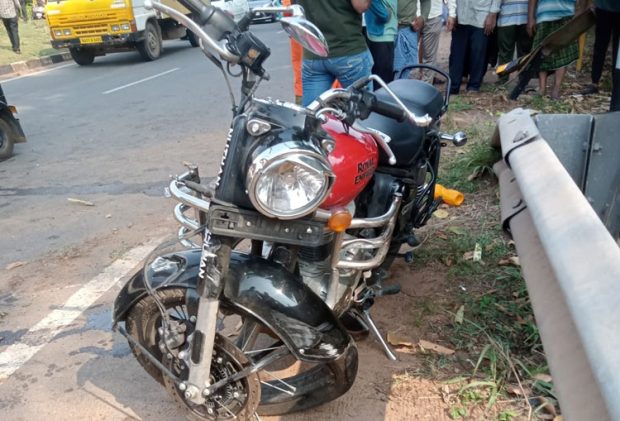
[300, 154]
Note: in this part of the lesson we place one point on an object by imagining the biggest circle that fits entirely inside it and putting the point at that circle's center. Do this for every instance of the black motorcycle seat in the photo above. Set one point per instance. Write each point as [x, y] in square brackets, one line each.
[420, 98]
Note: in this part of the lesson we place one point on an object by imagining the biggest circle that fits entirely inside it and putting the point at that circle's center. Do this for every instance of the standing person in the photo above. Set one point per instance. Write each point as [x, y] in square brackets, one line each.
[475, 21]
[544, 18]
[432, 32]
[607, 27]
[349, 58]
[381, 26]
[9, 10]
[410, 24]
[512, 32]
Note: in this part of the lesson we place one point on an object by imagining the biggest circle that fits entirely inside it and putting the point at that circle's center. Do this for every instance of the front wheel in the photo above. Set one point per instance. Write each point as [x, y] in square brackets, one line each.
[150, 47]
[82, 56]
[286, 385]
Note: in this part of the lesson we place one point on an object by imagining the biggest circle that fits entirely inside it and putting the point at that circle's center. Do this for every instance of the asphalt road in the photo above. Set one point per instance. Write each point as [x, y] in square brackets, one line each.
[111, 134]
[112, 131]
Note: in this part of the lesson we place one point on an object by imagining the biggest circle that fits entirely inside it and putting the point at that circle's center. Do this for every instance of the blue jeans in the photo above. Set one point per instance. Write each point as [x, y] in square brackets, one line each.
[405, 52]
[318, 75]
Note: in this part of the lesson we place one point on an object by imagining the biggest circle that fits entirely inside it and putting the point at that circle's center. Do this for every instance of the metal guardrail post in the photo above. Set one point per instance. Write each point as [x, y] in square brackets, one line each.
[571, 266]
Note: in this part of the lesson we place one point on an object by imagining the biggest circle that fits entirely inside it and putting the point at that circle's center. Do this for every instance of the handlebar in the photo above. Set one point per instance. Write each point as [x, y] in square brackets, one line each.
[388, 109]
[202, 13]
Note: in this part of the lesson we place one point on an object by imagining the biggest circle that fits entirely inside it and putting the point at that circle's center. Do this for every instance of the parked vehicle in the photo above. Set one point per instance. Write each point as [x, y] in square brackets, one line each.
[11, 131]
[281, 256]
[237, 9]
[91, 28]
[258, 17]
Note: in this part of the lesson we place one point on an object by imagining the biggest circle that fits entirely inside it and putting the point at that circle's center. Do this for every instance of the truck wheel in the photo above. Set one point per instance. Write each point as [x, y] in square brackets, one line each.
[6, 140]
[82, 56]
[150, 46]
[192, 38]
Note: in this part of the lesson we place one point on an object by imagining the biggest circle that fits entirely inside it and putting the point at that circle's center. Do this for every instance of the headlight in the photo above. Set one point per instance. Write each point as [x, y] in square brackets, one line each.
[125, 26]
[66, 32]
[288, 181]
[58, 32]
[115, 28]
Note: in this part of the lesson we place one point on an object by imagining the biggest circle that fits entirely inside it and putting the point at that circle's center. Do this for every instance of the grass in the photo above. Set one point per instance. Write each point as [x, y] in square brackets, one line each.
[494, 331]
[34, 42]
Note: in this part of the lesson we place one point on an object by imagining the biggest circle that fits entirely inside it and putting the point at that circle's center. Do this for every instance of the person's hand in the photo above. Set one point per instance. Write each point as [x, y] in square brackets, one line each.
[451, 24]
[489, 23]
[417, 24]
[531, 27]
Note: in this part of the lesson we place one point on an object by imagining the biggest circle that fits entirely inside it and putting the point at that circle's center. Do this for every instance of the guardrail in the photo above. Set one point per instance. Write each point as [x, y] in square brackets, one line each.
[569, 260]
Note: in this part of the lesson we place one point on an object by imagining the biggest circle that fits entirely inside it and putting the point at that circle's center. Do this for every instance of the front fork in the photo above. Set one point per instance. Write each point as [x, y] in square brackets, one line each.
[214, 262]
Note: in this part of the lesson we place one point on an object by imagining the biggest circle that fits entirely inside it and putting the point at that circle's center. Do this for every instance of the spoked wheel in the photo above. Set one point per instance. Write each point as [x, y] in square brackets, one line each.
[235, 400]
[282, 384]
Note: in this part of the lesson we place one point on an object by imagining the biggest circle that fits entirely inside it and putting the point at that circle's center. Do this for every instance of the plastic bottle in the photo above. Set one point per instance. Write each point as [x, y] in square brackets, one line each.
[449, 196]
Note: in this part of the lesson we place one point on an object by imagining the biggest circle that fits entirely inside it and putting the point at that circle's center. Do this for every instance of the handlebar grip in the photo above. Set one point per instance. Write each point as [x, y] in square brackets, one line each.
[388, 109]
[202, 12]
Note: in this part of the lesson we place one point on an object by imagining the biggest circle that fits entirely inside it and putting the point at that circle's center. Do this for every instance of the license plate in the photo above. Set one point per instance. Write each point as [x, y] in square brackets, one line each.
[90, 40]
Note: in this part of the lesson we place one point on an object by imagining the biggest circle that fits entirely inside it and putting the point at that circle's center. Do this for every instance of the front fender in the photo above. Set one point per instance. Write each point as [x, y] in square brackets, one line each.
[256, 287]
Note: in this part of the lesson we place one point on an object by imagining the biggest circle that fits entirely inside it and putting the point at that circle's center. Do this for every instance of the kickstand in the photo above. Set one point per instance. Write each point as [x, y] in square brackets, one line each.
[375, 331]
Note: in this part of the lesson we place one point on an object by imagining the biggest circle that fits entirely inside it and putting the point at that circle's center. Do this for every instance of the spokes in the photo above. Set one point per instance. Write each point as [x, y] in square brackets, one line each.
[291, 388]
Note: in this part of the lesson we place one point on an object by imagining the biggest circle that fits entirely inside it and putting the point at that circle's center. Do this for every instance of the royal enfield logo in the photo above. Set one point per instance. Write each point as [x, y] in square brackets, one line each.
[365, 170]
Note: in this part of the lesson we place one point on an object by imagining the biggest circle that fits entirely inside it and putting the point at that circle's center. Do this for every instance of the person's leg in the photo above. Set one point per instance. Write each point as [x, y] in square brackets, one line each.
[315, 80]
[383, 58]
[349, 69]
[23, 11]
[523, 40]
[10, 25]
[557, 82]
[602, 36]
[477, 58]
[458, 51]
[542, 83]
[405, 52]
[506, 39]
[430, 44]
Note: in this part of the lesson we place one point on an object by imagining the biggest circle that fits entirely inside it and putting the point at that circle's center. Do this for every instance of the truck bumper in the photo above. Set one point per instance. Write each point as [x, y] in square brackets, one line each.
[107, 41]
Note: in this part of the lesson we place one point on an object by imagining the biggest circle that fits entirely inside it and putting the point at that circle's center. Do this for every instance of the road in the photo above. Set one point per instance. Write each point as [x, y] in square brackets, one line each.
[110, 134]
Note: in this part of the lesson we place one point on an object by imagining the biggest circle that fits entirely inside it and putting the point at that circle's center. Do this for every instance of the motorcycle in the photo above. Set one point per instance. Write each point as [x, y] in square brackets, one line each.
[283, 254]
[11, 131]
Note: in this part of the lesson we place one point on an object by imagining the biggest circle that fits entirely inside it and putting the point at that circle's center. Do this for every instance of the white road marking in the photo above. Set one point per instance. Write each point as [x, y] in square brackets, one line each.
[38, 73]
[141, 80]
[43, 332]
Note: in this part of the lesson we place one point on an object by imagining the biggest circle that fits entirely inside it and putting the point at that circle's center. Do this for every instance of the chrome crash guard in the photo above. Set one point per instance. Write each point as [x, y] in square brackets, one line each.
[254, 287]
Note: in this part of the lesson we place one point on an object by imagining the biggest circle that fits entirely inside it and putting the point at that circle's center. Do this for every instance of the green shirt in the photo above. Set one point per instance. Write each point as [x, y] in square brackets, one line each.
[340, 23]
[408, 9]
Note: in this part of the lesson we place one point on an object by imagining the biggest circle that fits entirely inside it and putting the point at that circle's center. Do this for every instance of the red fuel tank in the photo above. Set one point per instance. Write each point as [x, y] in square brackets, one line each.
[353, 160]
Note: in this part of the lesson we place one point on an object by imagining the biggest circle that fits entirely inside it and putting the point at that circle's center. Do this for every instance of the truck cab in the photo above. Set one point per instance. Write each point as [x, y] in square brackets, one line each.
[91, 28]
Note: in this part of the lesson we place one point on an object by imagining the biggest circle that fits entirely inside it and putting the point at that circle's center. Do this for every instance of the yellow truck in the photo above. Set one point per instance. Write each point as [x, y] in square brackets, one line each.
[91, 28]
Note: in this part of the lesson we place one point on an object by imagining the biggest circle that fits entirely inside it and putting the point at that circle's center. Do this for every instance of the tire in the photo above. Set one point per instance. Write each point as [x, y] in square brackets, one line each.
[7, 140]
[315, 386]
[150, 47]
[192, 38]
[82, 56]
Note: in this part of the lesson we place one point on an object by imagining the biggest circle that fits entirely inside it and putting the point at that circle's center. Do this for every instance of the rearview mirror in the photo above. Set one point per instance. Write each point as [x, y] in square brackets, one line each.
[307, 34]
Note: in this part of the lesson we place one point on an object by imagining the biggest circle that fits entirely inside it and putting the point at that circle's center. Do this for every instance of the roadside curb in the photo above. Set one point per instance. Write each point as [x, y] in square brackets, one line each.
[34, 63]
